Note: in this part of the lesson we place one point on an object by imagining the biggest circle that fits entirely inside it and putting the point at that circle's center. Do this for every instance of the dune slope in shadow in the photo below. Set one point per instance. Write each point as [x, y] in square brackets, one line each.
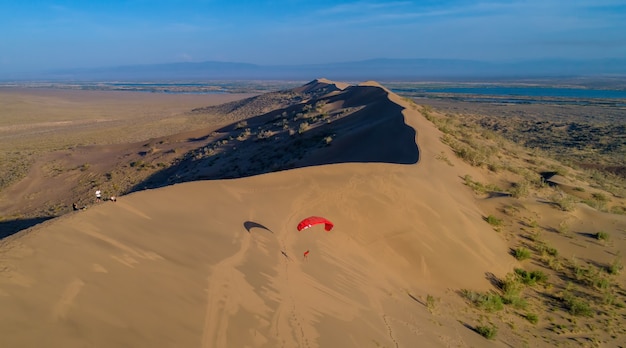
[325, 125]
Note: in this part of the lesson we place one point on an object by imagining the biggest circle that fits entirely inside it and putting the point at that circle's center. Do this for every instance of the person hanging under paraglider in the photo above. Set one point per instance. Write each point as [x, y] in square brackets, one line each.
[310, 222]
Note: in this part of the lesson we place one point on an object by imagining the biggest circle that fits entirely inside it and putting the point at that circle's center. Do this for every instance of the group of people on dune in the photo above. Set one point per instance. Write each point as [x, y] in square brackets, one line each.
[98, 199]
[99, 196]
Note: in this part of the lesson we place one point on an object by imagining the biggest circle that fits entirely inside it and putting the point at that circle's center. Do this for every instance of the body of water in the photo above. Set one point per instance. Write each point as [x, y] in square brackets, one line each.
[511, 94]
[538, 92]
[507, 91]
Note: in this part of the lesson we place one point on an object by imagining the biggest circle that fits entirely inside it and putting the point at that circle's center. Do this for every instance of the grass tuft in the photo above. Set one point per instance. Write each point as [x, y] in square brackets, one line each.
[487, 331]
[489, 301]
[602, 236]
[493, 221]
[532, 317]
[531, 278]
[521, 253]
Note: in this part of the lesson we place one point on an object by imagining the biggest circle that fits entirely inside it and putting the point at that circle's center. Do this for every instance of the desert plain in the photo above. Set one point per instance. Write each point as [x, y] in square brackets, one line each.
[445, 234]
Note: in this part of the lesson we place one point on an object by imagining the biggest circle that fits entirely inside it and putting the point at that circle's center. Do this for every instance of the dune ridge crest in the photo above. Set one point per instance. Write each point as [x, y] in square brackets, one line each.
[312, 125]
[322, 83]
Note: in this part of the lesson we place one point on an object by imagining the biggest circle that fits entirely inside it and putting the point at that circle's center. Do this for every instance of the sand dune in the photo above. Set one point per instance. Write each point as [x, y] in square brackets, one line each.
[176, 266]
[219, 263]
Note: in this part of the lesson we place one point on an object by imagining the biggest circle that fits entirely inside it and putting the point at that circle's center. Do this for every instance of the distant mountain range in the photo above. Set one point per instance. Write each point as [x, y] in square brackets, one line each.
[374, 69]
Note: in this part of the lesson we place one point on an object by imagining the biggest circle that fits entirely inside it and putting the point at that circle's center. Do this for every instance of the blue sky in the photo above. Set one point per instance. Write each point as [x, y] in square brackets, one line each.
[42, 34]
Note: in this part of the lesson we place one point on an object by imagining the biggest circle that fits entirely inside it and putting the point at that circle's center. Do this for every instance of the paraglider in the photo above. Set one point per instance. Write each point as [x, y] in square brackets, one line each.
[310, 222]
[315, 220]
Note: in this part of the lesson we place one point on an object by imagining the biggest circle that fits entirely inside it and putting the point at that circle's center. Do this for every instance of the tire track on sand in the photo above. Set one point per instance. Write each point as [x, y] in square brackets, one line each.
[221, 283]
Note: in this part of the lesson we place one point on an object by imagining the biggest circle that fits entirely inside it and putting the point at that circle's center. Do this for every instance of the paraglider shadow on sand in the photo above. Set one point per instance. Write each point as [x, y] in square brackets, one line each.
[373, 131]
[249, 225]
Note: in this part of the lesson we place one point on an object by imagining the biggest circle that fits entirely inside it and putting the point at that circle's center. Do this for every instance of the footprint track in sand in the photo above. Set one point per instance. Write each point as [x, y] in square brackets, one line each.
[286, 318]
[290, 323]
[410, 326]
[304, 342]
[390, 331]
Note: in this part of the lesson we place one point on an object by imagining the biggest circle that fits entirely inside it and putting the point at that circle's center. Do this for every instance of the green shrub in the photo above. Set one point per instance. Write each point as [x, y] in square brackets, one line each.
[430, 303]
[511, 291]
[468, 154]
[531, 278]
[580, 272]
[487, 331]
[442, 156]
[519, 189]
[494, 167]
[546, 249]
[564, 201]
[493, 221]
[532, 317]
[554, 263]
[609, 298]
[474, 185]
[599, 197]
[511, 286]
[602, 236]
[522, 253]
[616, 266]
[138, 164]
[577, 306]
[517, 302]
[488, 301]
[601, 282]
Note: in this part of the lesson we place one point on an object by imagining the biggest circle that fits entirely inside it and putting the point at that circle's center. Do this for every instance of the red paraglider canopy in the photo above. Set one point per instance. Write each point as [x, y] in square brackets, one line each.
[315, 220]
